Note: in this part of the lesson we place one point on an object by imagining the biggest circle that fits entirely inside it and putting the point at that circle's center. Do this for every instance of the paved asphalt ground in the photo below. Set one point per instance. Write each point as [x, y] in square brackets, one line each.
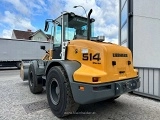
[18, 103]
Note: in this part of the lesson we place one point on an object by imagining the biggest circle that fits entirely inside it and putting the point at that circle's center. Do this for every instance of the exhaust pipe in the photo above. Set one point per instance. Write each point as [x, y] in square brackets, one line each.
[89, 25]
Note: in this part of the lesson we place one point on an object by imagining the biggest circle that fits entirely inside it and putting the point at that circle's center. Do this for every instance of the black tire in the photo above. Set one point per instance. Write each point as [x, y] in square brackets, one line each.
[59, 95]
[35, 82]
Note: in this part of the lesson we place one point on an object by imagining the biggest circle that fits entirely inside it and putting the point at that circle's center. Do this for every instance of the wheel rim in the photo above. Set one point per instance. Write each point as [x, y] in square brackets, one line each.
[31, 79]
[54, 91]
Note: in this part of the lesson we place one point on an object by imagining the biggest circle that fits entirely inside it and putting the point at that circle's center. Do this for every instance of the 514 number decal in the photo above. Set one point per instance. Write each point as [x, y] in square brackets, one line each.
[90, 56]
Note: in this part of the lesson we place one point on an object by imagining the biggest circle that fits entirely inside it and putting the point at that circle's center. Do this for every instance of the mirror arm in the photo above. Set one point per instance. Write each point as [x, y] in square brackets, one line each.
[46, 51]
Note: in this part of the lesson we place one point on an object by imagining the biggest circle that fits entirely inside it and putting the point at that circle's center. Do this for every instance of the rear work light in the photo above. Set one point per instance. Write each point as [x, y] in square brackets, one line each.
[95, 79]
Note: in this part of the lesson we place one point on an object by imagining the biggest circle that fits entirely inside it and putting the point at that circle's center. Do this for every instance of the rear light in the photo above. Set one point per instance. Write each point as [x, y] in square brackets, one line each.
[95, 79]
[129, 62]
[81, 88]
[113, 63]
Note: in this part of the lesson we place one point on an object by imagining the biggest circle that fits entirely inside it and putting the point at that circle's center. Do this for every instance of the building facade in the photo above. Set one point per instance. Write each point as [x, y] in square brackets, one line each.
[39, 35]
[139, 30]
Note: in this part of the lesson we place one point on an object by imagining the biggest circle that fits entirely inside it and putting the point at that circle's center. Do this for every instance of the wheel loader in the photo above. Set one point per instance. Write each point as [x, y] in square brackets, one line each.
[80, 68]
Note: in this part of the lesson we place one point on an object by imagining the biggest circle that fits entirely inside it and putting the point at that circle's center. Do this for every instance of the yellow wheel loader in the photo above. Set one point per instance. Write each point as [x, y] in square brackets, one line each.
[80, 69]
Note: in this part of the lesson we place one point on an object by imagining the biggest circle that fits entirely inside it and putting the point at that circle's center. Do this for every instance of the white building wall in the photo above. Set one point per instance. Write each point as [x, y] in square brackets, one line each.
[147, 8]
[39, 37]
[146, 33]
[146, 46]
[13, 36]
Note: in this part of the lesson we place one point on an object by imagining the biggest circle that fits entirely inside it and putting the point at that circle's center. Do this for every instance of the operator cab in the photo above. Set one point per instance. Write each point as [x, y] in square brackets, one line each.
[68, 27]
[75, 27]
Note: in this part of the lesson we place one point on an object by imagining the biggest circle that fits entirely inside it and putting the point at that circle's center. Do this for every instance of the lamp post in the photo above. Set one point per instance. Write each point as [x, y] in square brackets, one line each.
[81, 7]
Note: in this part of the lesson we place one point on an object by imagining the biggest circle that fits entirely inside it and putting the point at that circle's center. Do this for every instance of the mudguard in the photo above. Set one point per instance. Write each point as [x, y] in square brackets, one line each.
[69, 66]
[39, 66]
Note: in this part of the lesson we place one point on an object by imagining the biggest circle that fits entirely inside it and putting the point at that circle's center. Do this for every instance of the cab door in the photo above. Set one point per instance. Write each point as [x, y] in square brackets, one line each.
[57, 43]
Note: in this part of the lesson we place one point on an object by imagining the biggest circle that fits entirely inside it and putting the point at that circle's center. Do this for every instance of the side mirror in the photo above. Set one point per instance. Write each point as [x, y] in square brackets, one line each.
[92, 20]
[46, 26]
[43, 47]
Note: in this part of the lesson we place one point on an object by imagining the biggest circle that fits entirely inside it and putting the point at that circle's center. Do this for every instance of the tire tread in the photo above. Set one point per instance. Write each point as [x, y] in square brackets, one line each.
[35, 88]
[69, 105]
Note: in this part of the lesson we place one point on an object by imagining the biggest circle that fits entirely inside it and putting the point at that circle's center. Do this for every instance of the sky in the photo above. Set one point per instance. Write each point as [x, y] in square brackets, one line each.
[31, 14]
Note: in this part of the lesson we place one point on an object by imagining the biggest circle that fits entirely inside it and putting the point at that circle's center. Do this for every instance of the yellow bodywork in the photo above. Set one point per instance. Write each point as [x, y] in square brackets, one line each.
[97, 60]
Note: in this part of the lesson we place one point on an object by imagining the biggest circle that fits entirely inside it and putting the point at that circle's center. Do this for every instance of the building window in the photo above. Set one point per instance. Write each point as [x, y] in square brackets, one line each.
[124, 15]
[124, 44]
[124, 33]
[124, 23]
[122, 3]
